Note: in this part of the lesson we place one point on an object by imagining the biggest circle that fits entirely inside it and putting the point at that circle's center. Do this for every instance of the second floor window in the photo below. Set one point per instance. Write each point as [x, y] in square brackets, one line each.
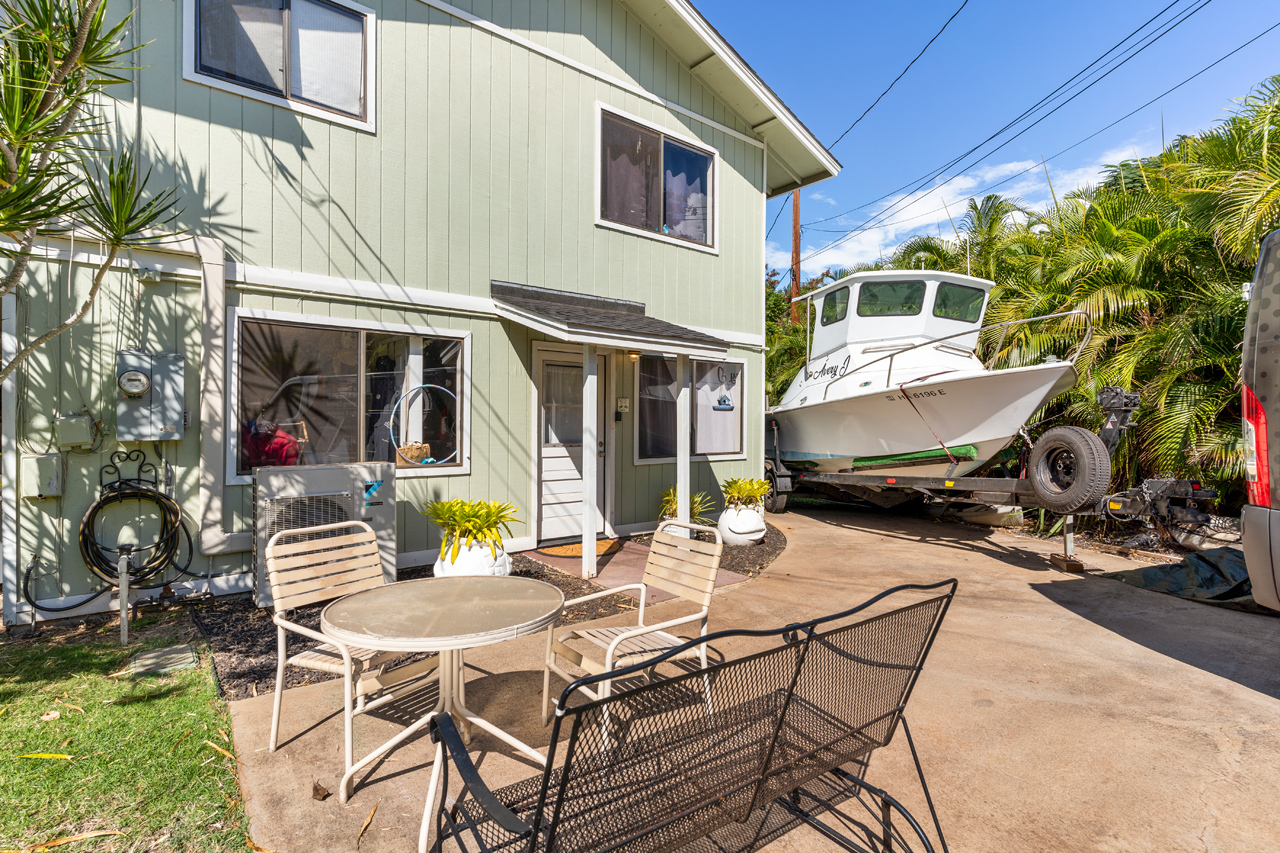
[654, 183]
[302, 50]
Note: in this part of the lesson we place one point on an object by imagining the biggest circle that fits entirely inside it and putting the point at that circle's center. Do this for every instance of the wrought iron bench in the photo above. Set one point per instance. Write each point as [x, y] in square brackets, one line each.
[656, 766]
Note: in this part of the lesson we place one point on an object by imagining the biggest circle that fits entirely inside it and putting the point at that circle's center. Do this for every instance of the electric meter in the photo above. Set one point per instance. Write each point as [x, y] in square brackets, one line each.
[134, 383]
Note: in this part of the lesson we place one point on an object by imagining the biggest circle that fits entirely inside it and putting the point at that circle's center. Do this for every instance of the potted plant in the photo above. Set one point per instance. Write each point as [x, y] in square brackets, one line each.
[473, 532]
[742, 522]
[700, 505]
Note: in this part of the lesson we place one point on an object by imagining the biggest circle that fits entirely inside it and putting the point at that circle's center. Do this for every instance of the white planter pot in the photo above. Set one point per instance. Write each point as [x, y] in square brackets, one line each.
[473, 559]
[741, 525]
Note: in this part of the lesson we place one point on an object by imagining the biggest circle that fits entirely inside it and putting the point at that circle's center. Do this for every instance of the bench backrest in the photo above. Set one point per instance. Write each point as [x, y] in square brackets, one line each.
[682, 565]
[655, 766]
[311, 564]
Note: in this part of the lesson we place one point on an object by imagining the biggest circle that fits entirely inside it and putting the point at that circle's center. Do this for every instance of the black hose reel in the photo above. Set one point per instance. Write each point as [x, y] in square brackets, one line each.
[146, 562]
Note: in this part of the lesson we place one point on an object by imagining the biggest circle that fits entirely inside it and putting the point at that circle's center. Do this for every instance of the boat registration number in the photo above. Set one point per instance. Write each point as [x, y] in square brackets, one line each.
[917, 395]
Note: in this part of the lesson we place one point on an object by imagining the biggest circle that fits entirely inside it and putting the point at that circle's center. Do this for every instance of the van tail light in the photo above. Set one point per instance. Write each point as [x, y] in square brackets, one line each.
[1257, 472]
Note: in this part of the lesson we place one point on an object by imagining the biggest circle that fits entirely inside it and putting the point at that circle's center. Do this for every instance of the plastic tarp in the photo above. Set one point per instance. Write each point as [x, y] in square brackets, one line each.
[1216, 576]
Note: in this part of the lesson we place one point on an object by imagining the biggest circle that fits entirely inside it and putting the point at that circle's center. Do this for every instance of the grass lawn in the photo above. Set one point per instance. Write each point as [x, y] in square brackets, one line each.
[140, 760]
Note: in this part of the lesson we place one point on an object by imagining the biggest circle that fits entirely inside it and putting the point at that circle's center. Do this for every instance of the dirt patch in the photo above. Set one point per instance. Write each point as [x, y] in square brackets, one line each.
[749, 560]
[243, 637]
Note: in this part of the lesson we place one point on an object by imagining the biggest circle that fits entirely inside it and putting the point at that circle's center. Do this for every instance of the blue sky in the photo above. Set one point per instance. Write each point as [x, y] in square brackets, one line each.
[829, 59]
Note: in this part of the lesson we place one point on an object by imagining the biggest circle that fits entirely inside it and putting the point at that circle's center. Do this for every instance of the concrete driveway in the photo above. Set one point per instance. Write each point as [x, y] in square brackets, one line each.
[1056, 712]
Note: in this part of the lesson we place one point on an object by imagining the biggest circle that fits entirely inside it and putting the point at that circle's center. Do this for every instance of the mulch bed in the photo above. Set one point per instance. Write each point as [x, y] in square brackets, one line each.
[242, 637]
[749, 560]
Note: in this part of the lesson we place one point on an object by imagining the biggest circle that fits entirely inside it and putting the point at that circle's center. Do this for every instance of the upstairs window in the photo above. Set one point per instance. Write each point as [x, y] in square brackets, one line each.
[653, 183]
[302, 51]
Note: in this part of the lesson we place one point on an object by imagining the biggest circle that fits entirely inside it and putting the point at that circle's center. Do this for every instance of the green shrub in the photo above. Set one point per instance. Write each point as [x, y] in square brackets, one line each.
[741, 492]
[473, 521]
[699, 505]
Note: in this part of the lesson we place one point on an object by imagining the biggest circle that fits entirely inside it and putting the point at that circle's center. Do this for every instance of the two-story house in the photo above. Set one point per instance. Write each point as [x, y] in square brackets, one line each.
[516, 247]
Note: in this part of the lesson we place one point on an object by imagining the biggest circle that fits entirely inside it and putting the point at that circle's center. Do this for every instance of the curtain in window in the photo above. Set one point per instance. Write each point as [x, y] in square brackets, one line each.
[686, 191]
[656, 421]
[631, 181]
[326, 55]
[244, 41]
[562, 404]
[717, 415]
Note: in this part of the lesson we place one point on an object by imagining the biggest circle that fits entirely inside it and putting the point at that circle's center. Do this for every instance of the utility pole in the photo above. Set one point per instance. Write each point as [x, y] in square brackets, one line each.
[795, 254]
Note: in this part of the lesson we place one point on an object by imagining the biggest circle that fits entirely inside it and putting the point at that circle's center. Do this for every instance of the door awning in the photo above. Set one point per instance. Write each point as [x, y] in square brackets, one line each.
[579, 318]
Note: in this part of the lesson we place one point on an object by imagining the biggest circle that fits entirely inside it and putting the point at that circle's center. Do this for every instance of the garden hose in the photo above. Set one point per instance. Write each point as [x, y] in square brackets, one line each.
[103, 560]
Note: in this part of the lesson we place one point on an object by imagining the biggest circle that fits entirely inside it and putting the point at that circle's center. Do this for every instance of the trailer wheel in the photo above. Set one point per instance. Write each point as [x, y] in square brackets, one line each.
[774, 502]
[1069, 469]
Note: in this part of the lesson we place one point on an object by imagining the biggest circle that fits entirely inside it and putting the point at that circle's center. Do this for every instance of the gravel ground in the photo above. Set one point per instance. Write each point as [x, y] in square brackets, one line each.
[243, 637]
[749, 560]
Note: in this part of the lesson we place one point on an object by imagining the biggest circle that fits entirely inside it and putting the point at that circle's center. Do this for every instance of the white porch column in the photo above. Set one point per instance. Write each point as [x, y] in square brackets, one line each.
[684, 424]
[590, 461]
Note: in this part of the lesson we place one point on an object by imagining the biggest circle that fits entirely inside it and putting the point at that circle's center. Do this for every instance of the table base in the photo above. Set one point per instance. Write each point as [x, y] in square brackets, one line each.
[453, 697]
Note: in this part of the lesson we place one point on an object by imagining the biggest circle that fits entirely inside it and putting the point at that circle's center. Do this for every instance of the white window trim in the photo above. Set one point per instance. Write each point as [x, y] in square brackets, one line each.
[369, 123]
[694, 457]
[234, 315]
[714, 249]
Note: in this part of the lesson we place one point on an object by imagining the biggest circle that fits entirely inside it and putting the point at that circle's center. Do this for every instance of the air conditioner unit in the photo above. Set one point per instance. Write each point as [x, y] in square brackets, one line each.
[286, 498]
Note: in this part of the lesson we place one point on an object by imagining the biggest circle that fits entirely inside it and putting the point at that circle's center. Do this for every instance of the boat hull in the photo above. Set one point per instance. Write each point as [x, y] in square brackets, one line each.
[977, 409]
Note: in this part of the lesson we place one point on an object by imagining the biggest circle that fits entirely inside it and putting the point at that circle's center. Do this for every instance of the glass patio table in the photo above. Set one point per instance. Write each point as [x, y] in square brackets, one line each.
[444, 615]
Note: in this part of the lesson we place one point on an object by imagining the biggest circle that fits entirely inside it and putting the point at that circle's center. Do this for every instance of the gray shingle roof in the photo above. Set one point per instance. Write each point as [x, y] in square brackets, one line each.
[580, 311]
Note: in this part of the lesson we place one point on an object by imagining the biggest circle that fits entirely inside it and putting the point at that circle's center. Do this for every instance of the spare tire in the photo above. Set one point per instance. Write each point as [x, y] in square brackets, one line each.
[1069, 469]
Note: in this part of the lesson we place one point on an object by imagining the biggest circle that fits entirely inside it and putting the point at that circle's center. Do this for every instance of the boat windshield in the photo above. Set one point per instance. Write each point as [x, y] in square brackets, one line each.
[835, 306]
[890, 298]
[957, 302]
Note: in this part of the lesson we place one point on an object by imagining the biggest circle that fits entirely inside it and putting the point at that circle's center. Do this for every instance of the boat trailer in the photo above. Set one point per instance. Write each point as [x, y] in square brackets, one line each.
[1045, 479]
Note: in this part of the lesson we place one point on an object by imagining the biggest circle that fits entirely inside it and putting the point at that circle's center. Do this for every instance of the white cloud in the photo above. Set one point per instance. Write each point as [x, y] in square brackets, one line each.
[817, 196]
[932, 211]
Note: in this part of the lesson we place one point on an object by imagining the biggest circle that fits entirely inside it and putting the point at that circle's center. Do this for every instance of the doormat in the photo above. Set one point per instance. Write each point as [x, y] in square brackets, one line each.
[604, 547]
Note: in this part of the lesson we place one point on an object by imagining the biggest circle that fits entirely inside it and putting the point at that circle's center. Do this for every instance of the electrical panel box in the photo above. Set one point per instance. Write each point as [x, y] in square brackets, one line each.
[74, 432]
[149, 396]
[41, 476]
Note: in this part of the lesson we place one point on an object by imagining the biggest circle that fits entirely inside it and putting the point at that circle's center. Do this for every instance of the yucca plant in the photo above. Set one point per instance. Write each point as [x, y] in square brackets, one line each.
[743, 492]
[469, 522]
[699, 505]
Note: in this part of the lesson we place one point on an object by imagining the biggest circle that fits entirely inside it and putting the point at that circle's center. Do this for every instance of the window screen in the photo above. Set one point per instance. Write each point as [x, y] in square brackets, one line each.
[957, 302]
[326, 56]
[890, 298]
[245, 41]
[299, 402]
[654, 183]
[562, 404]
[835, 306]
[631, 175]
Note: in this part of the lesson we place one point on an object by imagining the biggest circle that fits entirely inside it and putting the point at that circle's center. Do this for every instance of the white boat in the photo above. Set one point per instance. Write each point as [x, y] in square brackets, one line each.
[892, 383]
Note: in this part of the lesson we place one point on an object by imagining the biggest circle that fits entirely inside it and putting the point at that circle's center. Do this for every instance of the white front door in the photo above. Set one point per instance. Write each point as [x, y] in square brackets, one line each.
[560, 452]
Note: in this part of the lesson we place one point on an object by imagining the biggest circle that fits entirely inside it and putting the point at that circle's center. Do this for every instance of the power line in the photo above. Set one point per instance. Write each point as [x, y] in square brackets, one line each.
[900, 75]
[868, 225]
[779, 216]
[1133, 53]
[1022, 115]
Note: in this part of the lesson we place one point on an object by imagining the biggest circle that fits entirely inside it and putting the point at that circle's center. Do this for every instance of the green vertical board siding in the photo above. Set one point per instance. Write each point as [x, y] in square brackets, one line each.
[483, 166]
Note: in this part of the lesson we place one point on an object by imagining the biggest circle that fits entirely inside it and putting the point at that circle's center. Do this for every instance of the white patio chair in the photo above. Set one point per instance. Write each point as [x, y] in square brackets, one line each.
[305, 568]
[679, 565]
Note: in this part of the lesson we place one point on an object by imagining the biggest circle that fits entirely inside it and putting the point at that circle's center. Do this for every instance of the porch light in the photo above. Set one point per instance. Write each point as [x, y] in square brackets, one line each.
[635, 356]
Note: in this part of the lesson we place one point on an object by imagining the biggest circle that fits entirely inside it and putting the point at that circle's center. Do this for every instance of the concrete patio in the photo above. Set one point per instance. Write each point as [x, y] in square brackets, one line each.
[1056, 712]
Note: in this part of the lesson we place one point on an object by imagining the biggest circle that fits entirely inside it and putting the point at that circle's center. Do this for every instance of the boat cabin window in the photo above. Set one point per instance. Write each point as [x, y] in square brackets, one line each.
[890, 298]
[957, 302]
[835, 306]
